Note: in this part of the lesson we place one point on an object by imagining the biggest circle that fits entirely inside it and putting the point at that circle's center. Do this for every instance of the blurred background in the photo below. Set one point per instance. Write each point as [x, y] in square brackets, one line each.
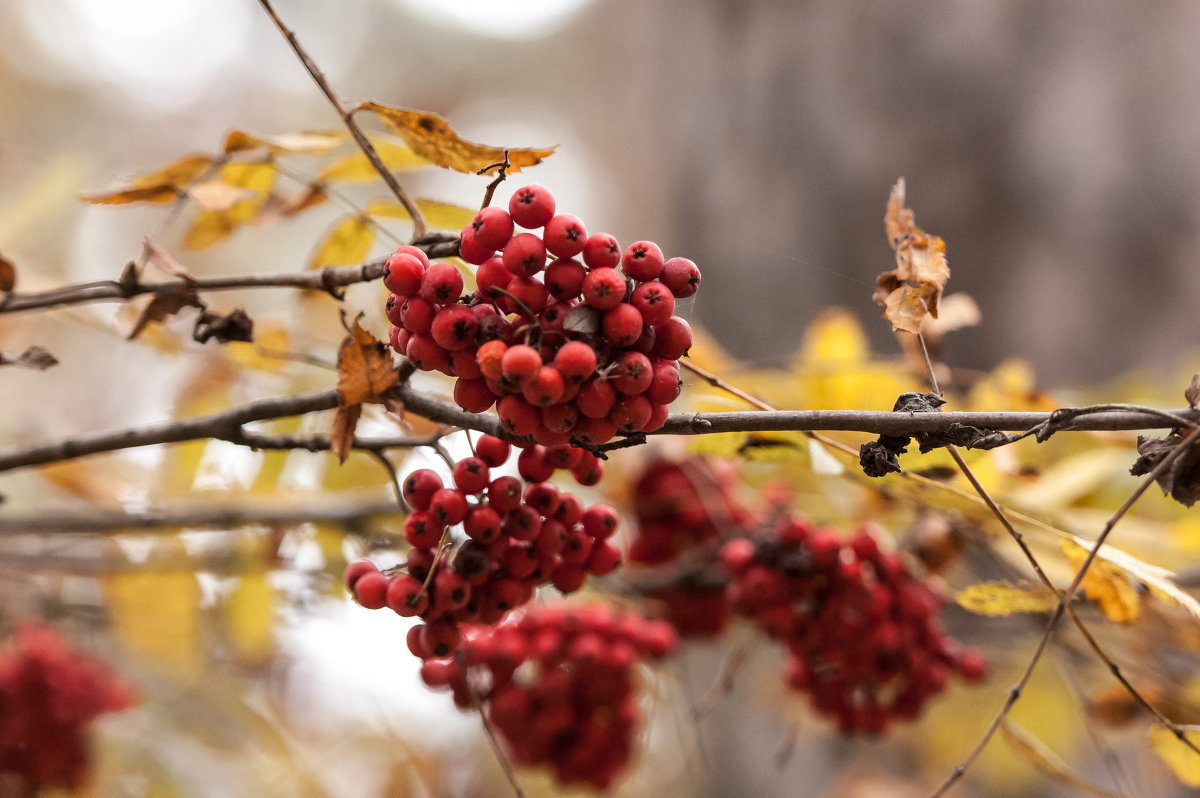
[1053, 147]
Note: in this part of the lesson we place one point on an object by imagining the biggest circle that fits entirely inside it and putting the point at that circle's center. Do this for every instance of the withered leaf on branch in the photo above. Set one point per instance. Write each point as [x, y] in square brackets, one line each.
[162, 260]
[8, 275]
[365, 373]
[1182, 479]
[313, 143]
[912, 290]
[166, 303]
[235, 326]
[35, 357]
[431, 137]
[1192, 392]
[162, 185]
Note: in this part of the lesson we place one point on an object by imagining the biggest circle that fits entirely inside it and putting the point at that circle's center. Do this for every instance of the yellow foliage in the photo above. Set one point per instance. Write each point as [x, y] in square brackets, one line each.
[348, 242]
[1002, 598]
[249, 613]
[438, 215]
[1105, 584]
[156, 614]
[357, 168]
[212, 227]
[1183, 761]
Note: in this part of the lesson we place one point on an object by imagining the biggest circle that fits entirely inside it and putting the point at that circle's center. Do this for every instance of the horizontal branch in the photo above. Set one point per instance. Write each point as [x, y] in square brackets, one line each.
[330, 279]
[228, 424]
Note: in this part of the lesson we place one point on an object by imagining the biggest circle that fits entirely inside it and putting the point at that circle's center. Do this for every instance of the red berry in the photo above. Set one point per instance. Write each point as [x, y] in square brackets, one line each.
[564, 278]
[568, 578]
[603, 288]
[545, 388]
[471, 475]
[631, 413]
[601, 251]
[523, 523]
[542, 496]
[492, 450]
[399, 337]
[524, 255]
[403, 272]
[493, 227]
[464, 364]
[448, 506]
[470, 250]
[600, 521]
[548, 437]
[560, 417]
[565, 235]
[425, 353]
[422, 530]
[673, 339]
[604, 559]
[405, 597]
[492, 275]
[370, 590]
[553, 317]
[643, 261]
[576, 361]
[454, 327]
[594, 431]
[531, 206]
[482, 524]
[681, 276]
[596, 398]
[518, 416]
[655, 302]
[530, 294]
[417, 314]
[633, 373]
[622, 325]
[441, 639]
[589, 470]
[442, 284]
[664, 384]
[450, 591]
[357, 569]
[658, 417]
[473, 395]
[533, 466]
[520, 364]
[489, 357]
[419, 486]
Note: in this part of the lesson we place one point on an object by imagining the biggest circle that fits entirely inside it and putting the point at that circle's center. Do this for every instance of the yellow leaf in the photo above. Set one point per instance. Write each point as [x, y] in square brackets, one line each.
[1105, 584]
[1074, 477]
[432, 138]
[162, 185]
[355, 168]
[1002, 598]
[288, 143]
[212, 227]
[218, 196]
[1182, 760]
[348, 242]
[156, 614]
[1157, 580]
[269, 338]
[439, 215]
[250, 618]
[833, 341]
[912, 290]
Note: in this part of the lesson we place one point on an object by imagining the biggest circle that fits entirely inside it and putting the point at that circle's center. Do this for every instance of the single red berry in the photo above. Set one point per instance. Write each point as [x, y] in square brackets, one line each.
[631, 413]
[548, 437]
[603, 288]
[665, 384]
[454, 327]
[417, 314]
[419, 486]
[600, 521]
[425, 353]
[524, 255]
[681, 276]
[504, 494]
[492, 450]
[482, 523]
[490, 276]
[531, 206]
[643, 261]
[533, 466]
[403, 272]
[545, 388]
[673, 339]
[520, 364]
[394, 308]
[553, 317]
[523, 523]
[448, 506]
[568, 578]
[464, 364]
[601, 251]
[563, 458]
[370, 590]
[471, 475]
[519, 561]
[441, 639]
[473, 395]
[564, 278]
[493, 227]
[529, 295]
[560, 417]
[422, 530]
[604, 559]
[658, 417]
[542, 496]
[576, 361]
[442, 284]
[470, 250]
[589, 470]
[450, 591]
[405, 597]
[419, 562]
[357, 569]
[565, 235]
[518, 416]
[489, 358]
[594, 431]
[622, 325]
[633, 373]
[655, 302]
[596, 398]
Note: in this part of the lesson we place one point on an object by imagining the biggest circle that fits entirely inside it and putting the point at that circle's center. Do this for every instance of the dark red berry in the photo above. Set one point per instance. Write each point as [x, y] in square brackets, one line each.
[473, 395]
[673, 339]
[622, 325]
[492, 450]
[655, 302]
[442, 284]
[643, 261]
[681, 276]
[455, 327]
[531, 206]
[564, 278]
[565, 235]
[493, 227]
[603, 288]
[419, 486]
[601, 251]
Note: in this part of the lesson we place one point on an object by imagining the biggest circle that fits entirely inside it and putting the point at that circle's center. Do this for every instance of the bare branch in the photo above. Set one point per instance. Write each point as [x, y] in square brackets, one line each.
[359, 137]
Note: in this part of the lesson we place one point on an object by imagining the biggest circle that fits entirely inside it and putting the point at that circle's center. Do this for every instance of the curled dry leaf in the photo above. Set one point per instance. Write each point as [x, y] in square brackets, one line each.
[1192, 392]
[365, 373]
[8, 275]
[1182, 479]
[431, 137]
[165, 303]
[235, 326]
[1002, 598]
[162, 185]
[35, 357]
[162, 260]
[911, 291]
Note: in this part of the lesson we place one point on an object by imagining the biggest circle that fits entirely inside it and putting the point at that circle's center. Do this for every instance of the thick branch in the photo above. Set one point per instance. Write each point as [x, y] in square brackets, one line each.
[227, 425]
[329, 279]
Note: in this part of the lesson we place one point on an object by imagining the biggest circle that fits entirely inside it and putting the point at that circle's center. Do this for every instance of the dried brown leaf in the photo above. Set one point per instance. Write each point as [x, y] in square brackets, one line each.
[1192, 392]
[35, 357]
[162, 260]
[341, 437]
[235, 326]
[365, 368]
[165, 303]
[8, 275]
[911, 291]
[1182, 479]
[162, 185]
[314, 143]
[431, 137]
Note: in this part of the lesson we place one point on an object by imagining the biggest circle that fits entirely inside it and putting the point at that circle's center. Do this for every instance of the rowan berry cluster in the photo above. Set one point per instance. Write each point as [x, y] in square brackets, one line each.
[49, 695]
[559, 685]
[519, 534]
[862, 633]
[680, 506]
[569, 335]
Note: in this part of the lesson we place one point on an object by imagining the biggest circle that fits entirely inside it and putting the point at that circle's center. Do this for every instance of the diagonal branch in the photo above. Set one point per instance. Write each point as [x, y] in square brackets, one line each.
[359, 137]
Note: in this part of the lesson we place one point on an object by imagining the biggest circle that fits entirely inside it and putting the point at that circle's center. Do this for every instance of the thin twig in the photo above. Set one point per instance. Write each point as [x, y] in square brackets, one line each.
[360, 138]
[501, 174]
[1015, 693]
[206, 517]
[477, 704]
